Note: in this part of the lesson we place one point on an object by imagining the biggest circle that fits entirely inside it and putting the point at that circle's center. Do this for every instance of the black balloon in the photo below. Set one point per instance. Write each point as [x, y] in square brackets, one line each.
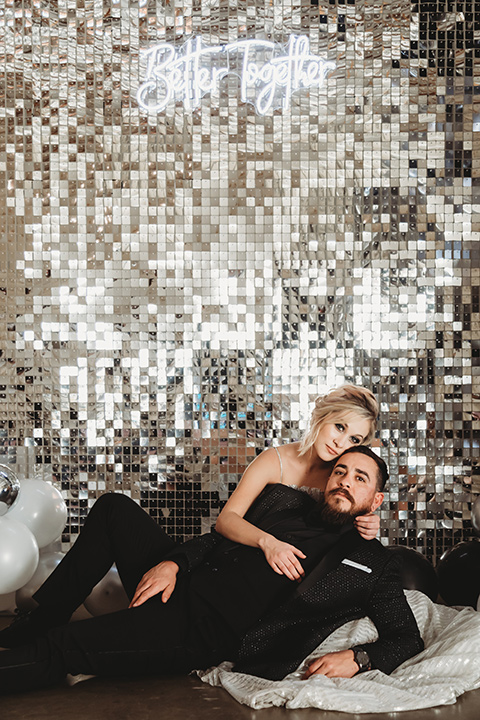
[416, 571]
[476, 515]
[458, 573]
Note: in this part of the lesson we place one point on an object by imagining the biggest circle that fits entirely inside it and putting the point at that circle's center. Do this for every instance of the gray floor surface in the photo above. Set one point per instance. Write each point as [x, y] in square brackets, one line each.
[178, 698]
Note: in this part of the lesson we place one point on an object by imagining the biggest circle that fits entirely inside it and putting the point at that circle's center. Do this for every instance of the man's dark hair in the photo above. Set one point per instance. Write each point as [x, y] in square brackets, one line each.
[382, 474]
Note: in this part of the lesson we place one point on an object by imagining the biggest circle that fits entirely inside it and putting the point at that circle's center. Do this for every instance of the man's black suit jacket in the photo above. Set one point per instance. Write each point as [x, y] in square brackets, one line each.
[355, 578]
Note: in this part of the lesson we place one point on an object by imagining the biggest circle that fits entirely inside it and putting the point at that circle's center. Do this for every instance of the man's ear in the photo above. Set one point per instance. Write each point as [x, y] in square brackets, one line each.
[377, 501]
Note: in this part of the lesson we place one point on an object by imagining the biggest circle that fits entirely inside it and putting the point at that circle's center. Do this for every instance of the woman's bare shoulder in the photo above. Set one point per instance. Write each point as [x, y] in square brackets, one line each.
[293, 464]
[266, 461]
[290, 451]
[277, 463]
[267, 455]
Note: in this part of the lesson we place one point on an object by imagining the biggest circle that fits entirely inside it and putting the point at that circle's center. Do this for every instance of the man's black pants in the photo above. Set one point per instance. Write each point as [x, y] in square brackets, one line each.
[154, 638]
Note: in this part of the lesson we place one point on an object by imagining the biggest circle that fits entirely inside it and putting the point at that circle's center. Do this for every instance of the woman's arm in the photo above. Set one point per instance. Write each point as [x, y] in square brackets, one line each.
[282, 557]
[368, 526]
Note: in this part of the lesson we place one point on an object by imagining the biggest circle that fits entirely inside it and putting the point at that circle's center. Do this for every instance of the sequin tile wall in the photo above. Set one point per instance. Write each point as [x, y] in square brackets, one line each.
[179, 283]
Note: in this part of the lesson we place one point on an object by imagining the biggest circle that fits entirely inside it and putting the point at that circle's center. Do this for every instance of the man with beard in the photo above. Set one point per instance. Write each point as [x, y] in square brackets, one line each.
[211, 599]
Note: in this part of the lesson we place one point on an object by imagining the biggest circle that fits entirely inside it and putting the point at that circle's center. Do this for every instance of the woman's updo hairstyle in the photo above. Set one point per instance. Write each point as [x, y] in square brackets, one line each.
[335, 406]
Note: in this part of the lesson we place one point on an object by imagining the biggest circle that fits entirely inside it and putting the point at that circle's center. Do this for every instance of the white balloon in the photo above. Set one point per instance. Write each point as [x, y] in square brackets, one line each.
[41, 508]
[108, 595]
[18, 555]
[46, 565]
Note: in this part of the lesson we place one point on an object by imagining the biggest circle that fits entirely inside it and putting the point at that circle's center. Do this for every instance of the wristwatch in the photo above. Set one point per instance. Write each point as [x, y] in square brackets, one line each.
[362, 659]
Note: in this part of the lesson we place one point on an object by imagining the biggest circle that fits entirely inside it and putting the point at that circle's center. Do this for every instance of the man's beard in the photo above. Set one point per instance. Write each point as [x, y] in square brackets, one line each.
[333, 516]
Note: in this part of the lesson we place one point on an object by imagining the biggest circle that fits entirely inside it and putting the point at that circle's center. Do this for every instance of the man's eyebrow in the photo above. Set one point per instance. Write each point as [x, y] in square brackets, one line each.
[357, 470]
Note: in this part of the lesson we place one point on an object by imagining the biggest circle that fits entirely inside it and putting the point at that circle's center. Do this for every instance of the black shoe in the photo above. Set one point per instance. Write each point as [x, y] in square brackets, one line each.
[27, 626]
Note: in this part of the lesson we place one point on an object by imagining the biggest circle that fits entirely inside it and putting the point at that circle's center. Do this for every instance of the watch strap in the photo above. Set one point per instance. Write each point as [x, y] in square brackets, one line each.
[362, 659]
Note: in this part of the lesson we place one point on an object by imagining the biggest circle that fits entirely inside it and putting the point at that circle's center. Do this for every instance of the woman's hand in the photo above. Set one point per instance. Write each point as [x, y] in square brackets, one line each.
[160, 579]
[282, 557]
[367, 525]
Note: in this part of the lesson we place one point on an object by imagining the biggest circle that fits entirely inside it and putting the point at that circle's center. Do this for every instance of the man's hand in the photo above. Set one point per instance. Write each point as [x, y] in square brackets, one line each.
[367, 525]
[160, 579]
[335, 664]
[283, 558]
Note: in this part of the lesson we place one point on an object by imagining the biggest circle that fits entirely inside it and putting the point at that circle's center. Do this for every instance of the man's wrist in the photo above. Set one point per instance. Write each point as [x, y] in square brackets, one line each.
[181, 560]
[361, 658]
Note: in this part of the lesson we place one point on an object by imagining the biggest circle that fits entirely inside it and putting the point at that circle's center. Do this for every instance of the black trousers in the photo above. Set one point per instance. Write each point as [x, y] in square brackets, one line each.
[153, 638]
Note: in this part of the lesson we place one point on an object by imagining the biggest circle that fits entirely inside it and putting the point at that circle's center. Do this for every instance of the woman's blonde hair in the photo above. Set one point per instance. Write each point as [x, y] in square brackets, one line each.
[335, 406]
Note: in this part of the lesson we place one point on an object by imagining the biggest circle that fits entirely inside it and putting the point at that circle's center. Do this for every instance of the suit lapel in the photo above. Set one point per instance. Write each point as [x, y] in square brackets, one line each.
[329, 561]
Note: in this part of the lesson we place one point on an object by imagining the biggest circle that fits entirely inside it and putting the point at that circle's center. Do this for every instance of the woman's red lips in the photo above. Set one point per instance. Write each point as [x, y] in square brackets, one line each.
[331, 450]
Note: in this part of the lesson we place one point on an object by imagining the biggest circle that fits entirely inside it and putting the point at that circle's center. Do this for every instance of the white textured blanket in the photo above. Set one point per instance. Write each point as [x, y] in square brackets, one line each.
[448, 667]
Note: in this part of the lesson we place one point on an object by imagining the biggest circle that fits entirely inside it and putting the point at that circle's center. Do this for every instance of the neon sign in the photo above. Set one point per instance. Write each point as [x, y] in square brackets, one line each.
[268, 75]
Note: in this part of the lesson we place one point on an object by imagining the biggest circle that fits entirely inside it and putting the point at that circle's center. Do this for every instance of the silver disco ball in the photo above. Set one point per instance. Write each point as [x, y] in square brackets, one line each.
[9, 487]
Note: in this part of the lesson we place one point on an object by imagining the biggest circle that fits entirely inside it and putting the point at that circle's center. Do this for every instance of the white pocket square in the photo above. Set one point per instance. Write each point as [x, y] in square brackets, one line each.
[366, 569]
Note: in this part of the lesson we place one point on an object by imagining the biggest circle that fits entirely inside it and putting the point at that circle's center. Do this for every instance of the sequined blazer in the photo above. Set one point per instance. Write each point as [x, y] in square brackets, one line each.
[355, 578]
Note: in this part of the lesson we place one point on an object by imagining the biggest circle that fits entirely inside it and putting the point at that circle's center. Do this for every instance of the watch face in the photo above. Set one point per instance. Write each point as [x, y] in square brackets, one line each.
[362, 659]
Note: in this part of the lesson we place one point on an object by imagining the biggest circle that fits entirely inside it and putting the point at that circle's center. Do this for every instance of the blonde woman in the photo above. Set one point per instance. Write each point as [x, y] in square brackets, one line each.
[342, 419]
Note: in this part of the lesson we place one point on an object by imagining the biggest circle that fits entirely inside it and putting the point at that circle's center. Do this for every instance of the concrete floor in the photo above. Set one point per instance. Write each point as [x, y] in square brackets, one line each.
[177, 698]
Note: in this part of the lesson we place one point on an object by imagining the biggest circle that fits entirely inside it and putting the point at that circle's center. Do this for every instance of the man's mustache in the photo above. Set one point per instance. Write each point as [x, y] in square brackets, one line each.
[345, 493]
